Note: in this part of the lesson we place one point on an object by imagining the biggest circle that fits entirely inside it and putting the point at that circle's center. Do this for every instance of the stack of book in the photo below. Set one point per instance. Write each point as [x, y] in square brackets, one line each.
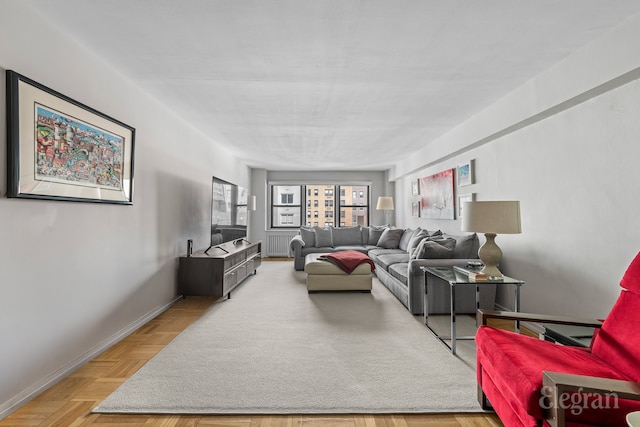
[477, 276]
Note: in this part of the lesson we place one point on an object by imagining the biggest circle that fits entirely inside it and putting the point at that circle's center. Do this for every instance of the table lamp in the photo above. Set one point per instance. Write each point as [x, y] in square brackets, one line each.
[385, 203]
[491, 218]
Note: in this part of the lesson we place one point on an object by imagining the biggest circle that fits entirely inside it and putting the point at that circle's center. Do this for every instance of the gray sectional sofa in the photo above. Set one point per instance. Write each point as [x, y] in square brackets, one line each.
[398, 255]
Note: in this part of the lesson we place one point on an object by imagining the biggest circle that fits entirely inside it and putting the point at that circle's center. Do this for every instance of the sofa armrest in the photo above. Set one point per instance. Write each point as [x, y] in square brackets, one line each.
[484, 315]
[296, 243]
[558, 389]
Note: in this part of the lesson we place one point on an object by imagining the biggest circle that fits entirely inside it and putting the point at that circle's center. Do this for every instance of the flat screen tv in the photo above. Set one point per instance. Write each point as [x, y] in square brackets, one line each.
[228, 213]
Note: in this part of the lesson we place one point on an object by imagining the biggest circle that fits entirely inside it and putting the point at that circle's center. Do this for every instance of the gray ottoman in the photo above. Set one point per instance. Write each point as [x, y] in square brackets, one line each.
[326, 276]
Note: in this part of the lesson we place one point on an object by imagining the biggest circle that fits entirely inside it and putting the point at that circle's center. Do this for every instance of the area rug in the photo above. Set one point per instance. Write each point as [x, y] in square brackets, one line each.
[274, 349]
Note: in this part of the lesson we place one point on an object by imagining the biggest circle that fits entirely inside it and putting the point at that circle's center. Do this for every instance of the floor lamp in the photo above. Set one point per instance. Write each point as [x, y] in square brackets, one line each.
[385, 203]
[491, 218]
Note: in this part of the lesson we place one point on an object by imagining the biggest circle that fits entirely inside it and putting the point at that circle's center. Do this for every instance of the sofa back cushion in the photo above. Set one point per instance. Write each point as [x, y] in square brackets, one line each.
[346, 236]
[308, 236]
[324, 238]
[374, 234]
[618, 342]
[390, 238]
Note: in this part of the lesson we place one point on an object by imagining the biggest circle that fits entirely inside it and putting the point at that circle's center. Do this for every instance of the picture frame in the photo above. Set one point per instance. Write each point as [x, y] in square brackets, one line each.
[415, 209]
[437, 200]
[61, 149]
[415, 187]
[469, 197]
[465, 174]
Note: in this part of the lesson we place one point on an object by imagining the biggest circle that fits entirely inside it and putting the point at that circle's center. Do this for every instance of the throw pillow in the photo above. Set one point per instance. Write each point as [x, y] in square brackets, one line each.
[406, 237]
[466, 246]
[415, 241]
[375, 233]
[324, 238]
[436, 249]
[308, 236]
[390, 238]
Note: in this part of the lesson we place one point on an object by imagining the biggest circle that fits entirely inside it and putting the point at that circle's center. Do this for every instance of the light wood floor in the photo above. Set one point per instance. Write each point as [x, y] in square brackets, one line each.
[69, 402]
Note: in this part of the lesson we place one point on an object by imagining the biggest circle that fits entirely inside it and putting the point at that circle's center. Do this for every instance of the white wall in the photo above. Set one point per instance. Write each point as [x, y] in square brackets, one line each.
[566, 145]
[77, 276]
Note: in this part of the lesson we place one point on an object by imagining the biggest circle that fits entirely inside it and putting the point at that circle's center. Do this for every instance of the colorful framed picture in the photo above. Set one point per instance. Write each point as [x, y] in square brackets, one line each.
[60, 149]
[470, 197]
[415, 187]
[465, 174]
[436, 196]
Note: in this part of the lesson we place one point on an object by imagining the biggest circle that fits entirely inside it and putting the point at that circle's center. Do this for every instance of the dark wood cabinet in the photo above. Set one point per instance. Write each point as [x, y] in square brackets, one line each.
[219, 271]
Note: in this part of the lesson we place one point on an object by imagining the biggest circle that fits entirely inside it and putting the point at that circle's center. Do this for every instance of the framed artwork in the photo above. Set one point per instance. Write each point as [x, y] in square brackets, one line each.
[470, 197]
[415, 187]
[465, 173]
[415, 209]
[436, 196]
[60, 149]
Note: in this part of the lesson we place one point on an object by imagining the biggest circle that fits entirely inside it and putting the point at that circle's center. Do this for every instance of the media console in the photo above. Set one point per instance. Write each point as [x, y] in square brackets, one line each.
[219, 271]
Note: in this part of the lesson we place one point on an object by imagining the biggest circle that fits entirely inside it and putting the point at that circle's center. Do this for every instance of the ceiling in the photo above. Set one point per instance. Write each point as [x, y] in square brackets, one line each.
[331, 84]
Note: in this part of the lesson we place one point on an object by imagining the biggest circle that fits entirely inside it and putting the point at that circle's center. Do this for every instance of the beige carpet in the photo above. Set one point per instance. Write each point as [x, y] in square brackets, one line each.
[274, 349]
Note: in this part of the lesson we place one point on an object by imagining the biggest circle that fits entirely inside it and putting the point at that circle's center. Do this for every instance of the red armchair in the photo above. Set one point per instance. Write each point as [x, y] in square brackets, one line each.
[531, 382]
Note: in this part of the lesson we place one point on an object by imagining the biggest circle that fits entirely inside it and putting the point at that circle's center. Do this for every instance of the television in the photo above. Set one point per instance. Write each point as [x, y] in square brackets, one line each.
[228, 213]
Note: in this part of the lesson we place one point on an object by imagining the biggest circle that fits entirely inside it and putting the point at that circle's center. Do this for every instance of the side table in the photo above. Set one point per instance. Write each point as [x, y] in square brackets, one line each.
[454, 277]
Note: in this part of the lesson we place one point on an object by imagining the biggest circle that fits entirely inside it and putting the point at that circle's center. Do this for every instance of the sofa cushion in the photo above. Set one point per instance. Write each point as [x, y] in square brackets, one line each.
[308, 235]
[346, 236]
[386, 260]
[324, 238]
[516, 362]
[390, 238]
[466, 245]
[374, 234]
[377, 251]
[406, 238]
[400, 271]
[436, 249]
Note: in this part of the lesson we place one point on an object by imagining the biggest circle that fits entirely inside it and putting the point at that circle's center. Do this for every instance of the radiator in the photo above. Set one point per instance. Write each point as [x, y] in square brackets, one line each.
[278, 244]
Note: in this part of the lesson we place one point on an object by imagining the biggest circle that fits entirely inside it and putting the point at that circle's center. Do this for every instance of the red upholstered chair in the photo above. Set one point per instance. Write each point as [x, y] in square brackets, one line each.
[531, 382]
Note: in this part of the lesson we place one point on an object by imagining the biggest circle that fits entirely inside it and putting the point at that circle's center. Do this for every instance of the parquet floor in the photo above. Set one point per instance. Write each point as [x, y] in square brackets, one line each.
[69, 402]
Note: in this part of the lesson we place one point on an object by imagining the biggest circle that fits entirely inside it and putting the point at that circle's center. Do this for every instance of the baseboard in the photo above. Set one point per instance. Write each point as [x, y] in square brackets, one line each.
[34, 390]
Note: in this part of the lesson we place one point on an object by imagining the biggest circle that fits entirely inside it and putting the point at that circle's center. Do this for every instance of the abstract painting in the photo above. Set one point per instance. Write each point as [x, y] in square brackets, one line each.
[437, 199]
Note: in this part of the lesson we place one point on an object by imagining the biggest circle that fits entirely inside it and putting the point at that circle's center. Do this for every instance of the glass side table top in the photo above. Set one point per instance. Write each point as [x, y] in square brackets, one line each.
[459, 274]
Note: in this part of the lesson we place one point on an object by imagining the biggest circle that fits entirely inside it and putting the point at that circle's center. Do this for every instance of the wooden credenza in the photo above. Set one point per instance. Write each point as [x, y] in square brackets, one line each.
[218, 272]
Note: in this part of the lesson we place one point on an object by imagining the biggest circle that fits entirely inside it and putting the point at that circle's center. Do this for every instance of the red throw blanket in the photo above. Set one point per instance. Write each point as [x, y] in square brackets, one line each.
[348, 260]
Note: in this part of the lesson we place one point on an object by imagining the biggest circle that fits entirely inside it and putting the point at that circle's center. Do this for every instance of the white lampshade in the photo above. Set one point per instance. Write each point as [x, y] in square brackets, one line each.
[251, 203]
[491, 218]
[385, 203]
[498, 217]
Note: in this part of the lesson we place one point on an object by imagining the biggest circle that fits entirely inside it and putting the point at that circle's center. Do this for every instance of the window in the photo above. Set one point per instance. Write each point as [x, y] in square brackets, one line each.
[286, 206]
[357, 207]
[343, 205]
